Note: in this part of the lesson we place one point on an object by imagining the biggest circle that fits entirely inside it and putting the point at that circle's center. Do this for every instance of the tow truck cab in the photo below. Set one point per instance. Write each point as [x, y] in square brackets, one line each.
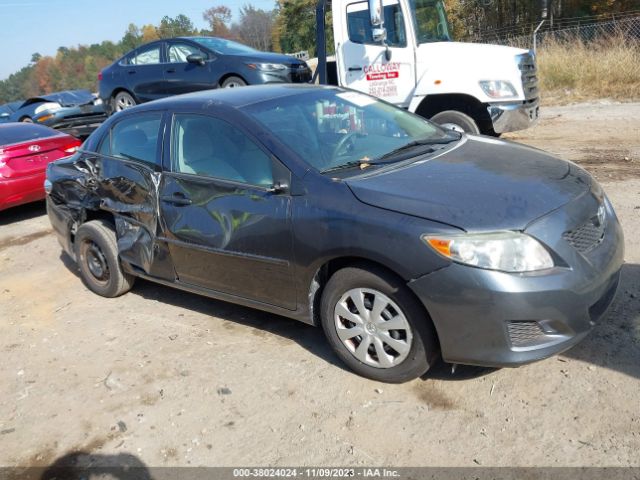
[401, 51]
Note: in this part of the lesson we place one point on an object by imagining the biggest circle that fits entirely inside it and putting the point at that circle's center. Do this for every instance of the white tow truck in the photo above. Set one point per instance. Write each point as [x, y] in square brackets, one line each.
[401, 51]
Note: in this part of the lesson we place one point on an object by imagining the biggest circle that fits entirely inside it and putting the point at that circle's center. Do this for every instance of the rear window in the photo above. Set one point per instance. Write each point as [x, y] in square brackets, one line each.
[134, 138]
[24, 132]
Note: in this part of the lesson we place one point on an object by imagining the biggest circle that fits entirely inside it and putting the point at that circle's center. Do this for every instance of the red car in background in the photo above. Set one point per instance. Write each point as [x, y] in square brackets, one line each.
[25, 151]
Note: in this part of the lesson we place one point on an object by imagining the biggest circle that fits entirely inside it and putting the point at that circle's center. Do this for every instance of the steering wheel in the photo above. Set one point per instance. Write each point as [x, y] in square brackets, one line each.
[343, 143]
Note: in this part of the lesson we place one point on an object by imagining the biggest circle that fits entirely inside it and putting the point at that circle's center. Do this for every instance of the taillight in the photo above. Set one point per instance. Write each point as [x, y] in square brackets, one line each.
[72, 149]
[100, 76]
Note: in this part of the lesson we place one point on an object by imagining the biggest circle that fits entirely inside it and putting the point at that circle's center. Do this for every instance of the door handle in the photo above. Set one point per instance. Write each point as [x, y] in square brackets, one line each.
[355, 69]
[177, 199]
[171, 70]
[131, 72]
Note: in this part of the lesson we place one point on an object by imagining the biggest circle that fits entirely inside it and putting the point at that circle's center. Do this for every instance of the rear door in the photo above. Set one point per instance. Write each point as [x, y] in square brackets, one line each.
[182, 76]
[226, 230]
[125, 173]
[362, 63]
[143, 70]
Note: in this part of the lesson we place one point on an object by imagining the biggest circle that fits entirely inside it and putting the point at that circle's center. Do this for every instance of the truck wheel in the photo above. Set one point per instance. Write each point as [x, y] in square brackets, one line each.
[97, 256]
[233, 82]
[458, 121]
[376, 326]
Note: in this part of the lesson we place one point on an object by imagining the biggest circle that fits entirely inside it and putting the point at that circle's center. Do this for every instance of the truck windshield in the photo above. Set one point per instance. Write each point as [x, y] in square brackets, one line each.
[333, 129]
[430, 20]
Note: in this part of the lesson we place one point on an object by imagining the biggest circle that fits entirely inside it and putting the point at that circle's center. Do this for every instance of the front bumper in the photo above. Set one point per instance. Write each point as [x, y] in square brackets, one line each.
[79, 125]
[511, 117]
[499, 319]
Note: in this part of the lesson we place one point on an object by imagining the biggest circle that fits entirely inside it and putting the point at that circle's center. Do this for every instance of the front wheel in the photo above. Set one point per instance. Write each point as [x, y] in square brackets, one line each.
[26, 120]
[457, 121]
[97, 256]
[376, 325]
[233, 82]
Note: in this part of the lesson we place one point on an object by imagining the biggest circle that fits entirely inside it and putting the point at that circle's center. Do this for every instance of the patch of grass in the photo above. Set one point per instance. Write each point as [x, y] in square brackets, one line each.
[572, 71]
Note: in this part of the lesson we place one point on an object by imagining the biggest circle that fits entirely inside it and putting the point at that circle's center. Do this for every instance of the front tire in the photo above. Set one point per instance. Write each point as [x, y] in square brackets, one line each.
[376, 326]
[26, 120]
[457, 121]
[233, 82]
[97, 256]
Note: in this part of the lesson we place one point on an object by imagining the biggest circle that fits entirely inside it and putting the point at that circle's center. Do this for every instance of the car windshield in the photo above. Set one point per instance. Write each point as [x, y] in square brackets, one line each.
[223, 46]
[24, 132]
[333, 129]
[430, 21]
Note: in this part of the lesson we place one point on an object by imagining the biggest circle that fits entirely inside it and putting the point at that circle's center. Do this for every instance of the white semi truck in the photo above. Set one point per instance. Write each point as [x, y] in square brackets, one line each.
[401, 51]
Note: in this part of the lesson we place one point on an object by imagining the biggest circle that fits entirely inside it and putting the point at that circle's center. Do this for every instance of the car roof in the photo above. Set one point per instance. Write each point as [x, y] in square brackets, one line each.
[233, 97]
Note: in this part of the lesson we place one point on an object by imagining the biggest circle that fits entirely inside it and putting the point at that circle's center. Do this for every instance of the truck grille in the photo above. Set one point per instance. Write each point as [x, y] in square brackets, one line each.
[525, 333]
[586, 237]
[529, 69]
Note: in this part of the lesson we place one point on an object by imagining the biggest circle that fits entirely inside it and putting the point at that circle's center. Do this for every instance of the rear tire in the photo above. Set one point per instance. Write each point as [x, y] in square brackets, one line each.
[26, 120]
[233, 82]
[386, 299]
[97, 257]
[457, 121]
[122, 101]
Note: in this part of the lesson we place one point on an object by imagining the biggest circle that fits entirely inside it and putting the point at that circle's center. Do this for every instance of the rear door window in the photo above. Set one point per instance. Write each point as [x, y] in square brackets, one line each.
[146, 55]
[135, 138]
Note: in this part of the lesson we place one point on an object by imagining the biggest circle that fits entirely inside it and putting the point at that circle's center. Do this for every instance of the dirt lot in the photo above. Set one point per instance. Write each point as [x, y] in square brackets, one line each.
[176, 379]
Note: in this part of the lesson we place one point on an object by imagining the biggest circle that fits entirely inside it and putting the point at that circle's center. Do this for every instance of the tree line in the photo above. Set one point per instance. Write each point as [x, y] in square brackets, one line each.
[289, 27]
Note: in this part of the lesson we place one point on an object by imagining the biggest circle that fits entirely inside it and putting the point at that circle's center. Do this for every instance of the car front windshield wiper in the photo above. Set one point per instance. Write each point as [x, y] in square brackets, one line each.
[450, 138]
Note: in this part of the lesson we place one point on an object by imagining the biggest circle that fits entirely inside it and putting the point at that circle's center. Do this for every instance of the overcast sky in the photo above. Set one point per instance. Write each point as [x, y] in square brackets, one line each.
[30, 26]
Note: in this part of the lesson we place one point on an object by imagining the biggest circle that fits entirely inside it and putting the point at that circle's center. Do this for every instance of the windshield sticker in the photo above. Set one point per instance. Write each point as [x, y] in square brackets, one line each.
[382, 79]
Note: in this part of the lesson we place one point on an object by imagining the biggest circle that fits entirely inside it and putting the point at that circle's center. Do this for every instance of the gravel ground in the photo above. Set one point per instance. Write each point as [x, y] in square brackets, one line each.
[174, 379]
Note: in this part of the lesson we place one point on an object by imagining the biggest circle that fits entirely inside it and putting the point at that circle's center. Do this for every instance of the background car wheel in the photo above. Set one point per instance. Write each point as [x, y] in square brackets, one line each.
[122, 101]
[97, 256]
[233, 82]
[458, 121]
[26, 120]
[376, 325]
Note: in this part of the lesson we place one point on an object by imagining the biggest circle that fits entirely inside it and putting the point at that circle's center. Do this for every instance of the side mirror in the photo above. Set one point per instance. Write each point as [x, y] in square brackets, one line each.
[196, 59]
[375, 13]
[376, 16]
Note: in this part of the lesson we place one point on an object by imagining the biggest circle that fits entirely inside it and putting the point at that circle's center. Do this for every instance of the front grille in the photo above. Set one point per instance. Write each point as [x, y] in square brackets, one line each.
[586, 237]
[525, 333]
[529, 69]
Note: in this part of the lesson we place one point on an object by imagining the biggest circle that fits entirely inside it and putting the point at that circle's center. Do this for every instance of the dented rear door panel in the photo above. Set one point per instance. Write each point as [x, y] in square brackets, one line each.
[94, 185]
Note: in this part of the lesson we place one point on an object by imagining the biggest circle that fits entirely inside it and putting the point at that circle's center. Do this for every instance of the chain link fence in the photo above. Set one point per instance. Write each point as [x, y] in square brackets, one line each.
[586, 29]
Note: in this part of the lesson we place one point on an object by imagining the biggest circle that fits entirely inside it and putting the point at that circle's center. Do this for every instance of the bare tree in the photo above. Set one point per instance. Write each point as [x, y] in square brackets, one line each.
[218, 18]
[255, 27]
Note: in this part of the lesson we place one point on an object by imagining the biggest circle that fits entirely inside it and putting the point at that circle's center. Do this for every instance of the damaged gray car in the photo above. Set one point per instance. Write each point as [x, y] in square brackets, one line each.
[400, 239]
[75, 112]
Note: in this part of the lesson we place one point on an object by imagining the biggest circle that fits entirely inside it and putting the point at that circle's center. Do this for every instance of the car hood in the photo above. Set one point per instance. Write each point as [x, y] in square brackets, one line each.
[69, 98]
[269, 57]
[482, 184]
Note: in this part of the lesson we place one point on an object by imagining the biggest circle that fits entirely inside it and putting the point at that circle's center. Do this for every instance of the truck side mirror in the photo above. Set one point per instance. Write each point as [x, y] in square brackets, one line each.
[375, 13]
[378, 32]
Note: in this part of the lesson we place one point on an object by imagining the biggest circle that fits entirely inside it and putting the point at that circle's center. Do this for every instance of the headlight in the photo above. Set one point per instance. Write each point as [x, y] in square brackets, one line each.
[49, 106]
[504, 251]
[267, 67]
[498, 89]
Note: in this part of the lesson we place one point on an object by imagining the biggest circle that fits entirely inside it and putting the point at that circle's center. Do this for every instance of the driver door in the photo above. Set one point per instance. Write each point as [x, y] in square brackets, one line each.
[362, 63]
